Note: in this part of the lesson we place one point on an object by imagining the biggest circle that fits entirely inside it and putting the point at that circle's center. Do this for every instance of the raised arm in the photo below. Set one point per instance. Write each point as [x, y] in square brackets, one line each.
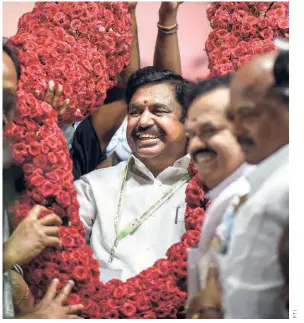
[166, 53]
[95, 133]
[108, 118]
[134, 64]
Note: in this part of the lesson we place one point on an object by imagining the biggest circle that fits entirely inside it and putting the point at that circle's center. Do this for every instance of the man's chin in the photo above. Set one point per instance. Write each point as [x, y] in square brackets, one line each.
[251, 154]
[147, 153]
[252, 157]
[148, 149]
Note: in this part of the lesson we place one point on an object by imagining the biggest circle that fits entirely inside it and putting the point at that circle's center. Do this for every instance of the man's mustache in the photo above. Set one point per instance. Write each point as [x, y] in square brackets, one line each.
[206, 150]
[245, 141]
[155, 130]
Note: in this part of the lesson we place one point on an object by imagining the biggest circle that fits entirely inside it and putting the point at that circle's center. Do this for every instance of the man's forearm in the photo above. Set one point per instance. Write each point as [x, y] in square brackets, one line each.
[109, 117]
[134, 64]
[166, 54]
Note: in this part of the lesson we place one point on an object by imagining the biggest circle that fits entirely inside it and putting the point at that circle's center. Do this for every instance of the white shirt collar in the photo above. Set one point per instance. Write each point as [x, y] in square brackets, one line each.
[180, 164]
[242, 170]
[268, 166]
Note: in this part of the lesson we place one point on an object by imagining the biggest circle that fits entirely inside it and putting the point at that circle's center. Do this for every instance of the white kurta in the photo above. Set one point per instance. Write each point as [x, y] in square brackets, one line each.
[98, 194]
[222, 198]
[251, 274]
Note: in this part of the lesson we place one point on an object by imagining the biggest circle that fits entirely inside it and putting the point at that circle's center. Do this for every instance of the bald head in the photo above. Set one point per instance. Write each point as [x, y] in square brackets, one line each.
[261, 120]
[255, 78]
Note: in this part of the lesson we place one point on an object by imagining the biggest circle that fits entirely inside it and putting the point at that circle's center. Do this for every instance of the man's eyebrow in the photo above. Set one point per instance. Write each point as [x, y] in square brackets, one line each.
[9, 90]
[134, 105]
[9, 93]
[243, 108]
[8, 99]
[206, 125]
[161, 106]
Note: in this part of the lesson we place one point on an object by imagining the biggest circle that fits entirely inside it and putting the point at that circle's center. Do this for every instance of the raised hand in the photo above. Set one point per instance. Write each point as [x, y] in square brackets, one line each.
[169, 7]
[168, 13]
[31, 237]
[53, 307]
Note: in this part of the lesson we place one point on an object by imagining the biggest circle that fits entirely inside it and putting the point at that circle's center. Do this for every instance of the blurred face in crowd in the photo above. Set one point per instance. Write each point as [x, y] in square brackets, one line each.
[212, 145]
[9, 100]
[154, 129]
[261, 119]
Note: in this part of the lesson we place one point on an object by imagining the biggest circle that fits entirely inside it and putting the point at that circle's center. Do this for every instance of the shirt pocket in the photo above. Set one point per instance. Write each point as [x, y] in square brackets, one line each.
[179, 212]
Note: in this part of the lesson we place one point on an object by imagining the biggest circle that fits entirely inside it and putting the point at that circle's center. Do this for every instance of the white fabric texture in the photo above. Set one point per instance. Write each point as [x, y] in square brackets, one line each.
[251, 275]
[222, 198]
[98, 194]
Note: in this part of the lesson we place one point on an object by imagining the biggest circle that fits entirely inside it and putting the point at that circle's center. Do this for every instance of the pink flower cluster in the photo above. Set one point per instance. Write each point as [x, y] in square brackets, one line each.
[81, 45]
[241, 30]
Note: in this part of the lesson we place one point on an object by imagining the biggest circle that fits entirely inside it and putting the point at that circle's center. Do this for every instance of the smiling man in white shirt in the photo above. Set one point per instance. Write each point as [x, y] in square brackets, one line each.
[133, 212]
[220, 163]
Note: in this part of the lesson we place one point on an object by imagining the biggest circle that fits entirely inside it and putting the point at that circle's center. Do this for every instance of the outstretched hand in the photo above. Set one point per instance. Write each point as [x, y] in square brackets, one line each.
[53, 307]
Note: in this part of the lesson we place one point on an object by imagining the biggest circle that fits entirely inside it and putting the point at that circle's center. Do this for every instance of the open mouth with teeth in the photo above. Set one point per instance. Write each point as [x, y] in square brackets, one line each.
[147, 140]
[146, 136]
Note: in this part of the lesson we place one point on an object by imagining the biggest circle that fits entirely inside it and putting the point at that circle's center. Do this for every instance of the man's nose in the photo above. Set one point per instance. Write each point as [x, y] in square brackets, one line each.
[194, 144]
[238, 128]
[146, 119]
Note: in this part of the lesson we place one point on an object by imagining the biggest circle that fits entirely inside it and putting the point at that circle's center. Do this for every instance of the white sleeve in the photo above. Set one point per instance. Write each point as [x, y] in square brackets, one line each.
[87, 210]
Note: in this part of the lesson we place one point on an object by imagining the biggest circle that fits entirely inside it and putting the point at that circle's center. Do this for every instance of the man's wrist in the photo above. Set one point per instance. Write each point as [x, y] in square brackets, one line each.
[168, 19]
[9, 257]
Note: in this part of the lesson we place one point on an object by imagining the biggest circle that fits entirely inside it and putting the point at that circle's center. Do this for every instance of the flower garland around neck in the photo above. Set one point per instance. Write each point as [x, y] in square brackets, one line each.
[83, 46]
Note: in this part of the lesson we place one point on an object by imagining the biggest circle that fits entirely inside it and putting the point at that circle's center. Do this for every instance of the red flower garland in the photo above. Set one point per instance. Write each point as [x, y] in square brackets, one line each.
[81, 45]
[241, 30]
[91, 41]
